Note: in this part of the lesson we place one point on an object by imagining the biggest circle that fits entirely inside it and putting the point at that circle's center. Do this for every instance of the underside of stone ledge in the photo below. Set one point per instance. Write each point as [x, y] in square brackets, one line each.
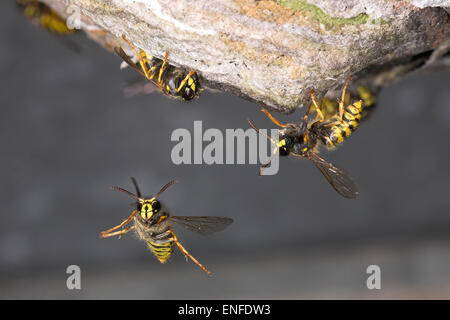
[275, 52]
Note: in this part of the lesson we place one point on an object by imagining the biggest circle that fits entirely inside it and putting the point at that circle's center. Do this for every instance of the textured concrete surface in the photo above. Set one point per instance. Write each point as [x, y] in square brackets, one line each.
[67, 134]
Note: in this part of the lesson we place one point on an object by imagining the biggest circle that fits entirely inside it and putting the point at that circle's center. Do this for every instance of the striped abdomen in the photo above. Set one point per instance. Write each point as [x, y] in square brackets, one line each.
[369, 101]
[158, 236]
[162, 249]
[335, 131]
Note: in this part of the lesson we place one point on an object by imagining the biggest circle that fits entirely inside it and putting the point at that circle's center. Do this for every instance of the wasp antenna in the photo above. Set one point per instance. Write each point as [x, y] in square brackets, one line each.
[252, 125]
[138, 192]
[126, 192]
[257, 130]
[165, 188]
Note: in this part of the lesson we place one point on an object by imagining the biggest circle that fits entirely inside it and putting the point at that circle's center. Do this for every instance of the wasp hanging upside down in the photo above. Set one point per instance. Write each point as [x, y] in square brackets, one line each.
[152, 224]
[172, 81]
[303, 140]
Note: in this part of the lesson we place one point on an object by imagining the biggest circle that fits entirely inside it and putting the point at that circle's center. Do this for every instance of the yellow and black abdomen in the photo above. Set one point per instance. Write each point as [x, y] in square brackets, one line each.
[158, 236]
[334, 131]
[369, 101]
[42, 15]
[162, 249]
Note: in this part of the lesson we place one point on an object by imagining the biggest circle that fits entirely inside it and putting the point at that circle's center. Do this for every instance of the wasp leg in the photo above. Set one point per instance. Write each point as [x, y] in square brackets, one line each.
[146, 62]
[186, 254]
[185, 79]
[341, 102]
[278, 123]
[118, 233]
[332, 124]
[161, 219]
[103, 233]
[318, 108]
[141, 60]
[161, 70]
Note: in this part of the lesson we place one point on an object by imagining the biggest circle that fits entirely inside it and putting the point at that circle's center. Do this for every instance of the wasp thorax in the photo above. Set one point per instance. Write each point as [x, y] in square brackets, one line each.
[149, 208]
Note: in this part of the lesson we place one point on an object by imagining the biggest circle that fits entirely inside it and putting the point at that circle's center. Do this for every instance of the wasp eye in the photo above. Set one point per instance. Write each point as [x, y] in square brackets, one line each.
[156, 206]
[188, 94]
[284, 151]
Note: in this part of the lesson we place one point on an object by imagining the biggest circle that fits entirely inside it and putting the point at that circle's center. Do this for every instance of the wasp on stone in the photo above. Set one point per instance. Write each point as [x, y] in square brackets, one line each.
[172, 81]
[303, 140]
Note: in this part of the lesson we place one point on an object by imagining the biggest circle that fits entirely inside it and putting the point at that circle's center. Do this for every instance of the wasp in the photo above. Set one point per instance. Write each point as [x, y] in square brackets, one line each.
[153, 224]
[43, 16]
[303, 140]
[172, 81]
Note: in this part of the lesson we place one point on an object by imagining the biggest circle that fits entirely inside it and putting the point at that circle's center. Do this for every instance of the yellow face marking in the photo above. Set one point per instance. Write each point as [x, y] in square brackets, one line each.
[281, 143]
[193, 86]
[146, 211]
[190, 81]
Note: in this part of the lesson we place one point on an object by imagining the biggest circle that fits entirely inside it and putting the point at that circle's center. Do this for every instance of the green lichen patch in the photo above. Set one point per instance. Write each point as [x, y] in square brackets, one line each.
[322, 17]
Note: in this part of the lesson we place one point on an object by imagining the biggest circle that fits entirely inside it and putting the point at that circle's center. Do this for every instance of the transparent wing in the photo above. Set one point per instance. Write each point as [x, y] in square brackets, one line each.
[128, 60]
[140, 88]
[339, 179]
[203, 225]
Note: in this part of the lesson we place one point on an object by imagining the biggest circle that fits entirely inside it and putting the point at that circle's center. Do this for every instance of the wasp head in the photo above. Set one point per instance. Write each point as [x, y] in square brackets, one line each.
[191, 87]
[148, 207]
[285, 143]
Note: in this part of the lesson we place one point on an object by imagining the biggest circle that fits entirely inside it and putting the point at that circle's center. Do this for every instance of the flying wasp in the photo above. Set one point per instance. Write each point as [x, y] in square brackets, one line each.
[153, 224]
[172, 81]
[303, 140]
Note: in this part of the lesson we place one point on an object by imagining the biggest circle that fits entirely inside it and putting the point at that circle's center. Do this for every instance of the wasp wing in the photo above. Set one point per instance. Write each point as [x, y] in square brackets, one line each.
[338, 178]
[128, 60]
[203, 225]
[140, 88]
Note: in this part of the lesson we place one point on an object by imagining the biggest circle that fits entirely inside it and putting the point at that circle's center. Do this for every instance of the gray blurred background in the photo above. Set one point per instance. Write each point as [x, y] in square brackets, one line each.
[67, 134]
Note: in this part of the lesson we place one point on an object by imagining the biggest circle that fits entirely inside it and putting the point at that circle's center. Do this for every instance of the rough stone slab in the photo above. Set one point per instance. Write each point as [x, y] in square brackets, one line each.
[274, 52]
